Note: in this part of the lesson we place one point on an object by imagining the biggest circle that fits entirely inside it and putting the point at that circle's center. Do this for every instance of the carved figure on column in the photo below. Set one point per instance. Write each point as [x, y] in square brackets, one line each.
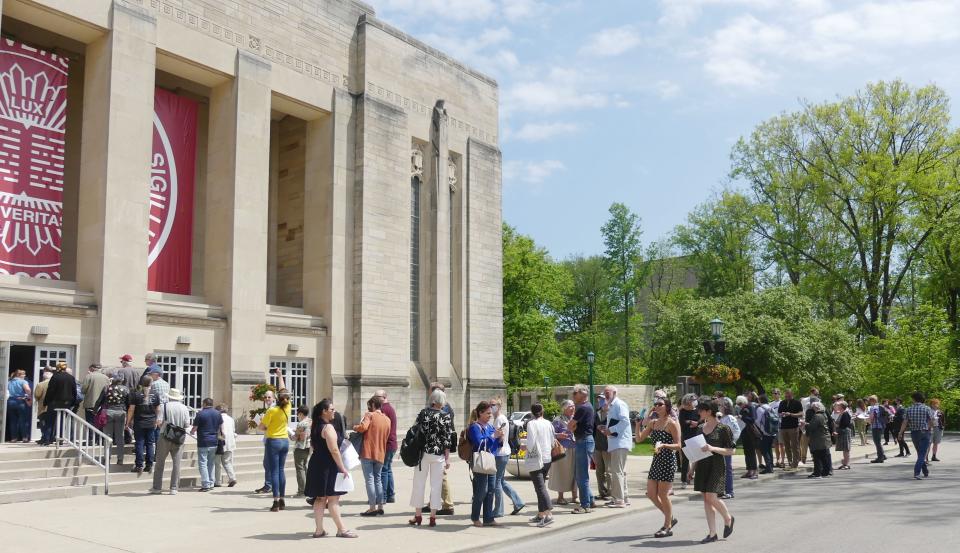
[452, 175]
[416, 162]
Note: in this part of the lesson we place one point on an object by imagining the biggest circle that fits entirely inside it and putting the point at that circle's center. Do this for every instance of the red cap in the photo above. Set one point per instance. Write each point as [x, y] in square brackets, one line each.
[127, 357]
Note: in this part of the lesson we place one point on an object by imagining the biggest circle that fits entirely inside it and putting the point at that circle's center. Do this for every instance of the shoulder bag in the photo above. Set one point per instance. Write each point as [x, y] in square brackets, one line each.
[483, 462]
[557, 452]
[172, 432]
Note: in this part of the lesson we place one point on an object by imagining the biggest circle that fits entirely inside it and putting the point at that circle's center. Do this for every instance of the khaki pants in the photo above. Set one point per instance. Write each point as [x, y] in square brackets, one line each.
[602, 460]
[445, 494]
[618, 474]
[791, 445]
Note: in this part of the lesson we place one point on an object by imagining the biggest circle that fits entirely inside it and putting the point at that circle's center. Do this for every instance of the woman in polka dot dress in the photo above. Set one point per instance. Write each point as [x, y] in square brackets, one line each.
[664, 430]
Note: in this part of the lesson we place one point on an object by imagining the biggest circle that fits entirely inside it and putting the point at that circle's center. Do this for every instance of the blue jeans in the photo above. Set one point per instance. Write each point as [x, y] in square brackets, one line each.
[207, 462]
[921, 442]
[503, 487]
[144, 439]
[18, 415]
[386, 476]
[277, 449]
[877, 434]
[372, 476]
[766, 449]
[47, 422]
[584, 450]
[483, 492]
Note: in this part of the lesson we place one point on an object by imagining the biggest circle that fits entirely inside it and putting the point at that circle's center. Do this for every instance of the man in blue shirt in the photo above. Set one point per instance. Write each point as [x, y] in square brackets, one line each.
[582, 427]
[206, 425]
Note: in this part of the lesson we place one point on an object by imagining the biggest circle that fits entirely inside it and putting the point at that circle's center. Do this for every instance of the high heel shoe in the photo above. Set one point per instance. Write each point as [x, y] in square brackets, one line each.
[433, 521]
[415, 521]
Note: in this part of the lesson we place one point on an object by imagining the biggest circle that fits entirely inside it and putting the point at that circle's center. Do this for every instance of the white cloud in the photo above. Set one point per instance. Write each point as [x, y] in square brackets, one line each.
[612, 42]
[682, 13]
[666, 89]
[481, 51]
[516, 10]
[734, 54]
[530, 172]
[538, 132]
[561, 89]
[895, 23]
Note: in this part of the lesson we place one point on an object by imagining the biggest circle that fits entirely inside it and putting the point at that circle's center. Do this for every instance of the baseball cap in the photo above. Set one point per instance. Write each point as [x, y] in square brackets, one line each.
[127, 357]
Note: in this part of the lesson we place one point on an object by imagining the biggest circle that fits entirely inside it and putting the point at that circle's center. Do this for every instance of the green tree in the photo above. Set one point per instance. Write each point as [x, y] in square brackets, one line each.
[533, 289]
[914, 354]
[848, 193]
[719, 240]
[773, 336]
[623, 262]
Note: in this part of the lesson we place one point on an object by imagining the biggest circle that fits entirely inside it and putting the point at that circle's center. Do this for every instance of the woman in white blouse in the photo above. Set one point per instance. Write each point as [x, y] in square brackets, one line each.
[540, 438]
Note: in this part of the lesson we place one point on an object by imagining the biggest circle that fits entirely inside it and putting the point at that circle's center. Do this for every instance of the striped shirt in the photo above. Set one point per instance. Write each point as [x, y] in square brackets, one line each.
[918, 417]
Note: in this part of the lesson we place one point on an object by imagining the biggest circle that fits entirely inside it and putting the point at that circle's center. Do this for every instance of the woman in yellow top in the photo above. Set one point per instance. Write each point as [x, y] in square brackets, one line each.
[276, 444]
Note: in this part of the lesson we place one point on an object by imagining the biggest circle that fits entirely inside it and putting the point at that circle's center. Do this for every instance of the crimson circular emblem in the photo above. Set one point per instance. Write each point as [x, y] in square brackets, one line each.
[163, 190]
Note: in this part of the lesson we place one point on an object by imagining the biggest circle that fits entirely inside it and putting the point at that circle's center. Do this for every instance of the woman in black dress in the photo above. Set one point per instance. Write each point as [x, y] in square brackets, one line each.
[711, 471]
[664, 430]
[325, 464]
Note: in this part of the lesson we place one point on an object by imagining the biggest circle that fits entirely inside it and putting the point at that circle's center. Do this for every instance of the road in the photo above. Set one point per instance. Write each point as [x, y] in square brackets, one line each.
[869, 508]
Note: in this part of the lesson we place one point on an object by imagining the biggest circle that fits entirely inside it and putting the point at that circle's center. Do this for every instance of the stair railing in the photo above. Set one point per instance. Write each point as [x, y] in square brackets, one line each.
[86, 439]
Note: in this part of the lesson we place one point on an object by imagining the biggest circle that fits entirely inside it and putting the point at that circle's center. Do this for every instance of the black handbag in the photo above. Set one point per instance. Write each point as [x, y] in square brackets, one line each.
[220, 444]
[172, 432]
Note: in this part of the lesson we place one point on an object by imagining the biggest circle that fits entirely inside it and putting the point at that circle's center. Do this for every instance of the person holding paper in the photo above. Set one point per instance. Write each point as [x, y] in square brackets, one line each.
[711, 471]
[324, 468]
[665, 432]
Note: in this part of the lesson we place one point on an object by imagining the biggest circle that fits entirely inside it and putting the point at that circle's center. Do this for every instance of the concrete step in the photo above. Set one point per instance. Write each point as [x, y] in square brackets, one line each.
[15, 452]
[35, 467]
[73, 469]
[248, 480]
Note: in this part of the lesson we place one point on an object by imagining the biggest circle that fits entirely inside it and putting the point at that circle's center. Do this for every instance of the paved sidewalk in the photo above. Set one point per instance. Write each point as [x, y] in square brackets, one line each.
[235, 519]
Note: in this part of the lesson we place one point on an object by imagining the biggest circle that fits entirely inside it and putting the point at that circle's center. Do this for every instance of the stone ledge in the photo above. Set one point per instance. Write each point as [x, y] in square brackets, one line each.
[372, 381]
[185, 320]
[272, 328]
[47, 308]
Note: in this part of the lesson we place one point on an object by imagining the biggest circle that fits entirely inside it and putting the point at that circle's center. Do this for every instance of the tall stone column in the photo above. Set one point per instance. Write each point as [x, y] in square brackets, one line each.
[114, 174]
[327, 269]
[438, 354]
[238, 174]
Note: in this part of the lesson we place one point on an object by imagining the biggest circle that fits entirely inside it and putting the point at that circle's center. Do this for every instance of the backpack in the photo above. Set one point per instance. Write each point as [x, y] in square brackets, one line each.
[882, 414]
[411, 449]
[771, 423]
[464, 447]
[513, 438]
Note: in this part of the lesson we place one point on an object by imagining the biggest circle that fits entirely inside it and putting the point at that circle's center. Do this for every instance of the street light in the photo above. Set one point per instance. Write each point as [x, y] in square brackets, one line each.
[590, 359]
[716, 327]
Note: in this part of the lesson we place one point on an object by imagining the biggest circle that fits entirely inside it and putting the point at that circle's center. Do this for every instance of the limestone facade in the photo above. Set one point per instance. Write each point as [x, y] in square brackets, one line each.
[318, 126]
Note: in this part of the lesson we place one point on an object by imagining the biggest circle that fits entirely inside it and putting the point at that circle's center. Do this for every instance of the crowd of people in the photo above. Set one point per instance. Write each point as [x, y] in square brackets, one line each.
[775, 432]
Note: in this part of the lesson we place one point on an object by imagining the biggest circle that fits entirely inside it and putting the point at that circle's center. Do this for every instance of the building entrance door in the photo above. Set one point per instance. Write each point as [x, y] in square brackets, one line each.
[187, 372]
[296, 376]
[48, 357]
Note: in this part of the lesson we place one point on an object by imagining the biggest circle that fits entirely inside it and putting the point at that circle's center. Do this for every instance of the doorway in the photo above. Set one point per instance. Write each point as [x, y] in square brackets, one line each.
[33, 359]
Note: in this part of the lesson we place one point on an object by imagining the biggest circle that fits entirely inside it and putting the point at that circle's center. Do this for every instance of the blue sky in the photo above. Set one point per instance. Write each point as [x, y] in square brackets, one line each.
[641, 101]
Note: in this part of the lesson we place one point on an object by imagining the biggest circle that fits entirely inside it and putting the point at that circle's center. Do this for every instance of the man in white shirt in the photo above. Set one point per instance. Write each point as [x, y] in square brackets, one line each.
[619, 442]
[778, 448]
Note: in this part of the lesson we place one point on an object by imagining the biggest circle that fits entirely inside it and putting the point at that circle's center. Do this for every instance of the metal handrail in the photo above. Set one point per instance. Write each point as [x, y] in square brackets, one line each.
[87, 440]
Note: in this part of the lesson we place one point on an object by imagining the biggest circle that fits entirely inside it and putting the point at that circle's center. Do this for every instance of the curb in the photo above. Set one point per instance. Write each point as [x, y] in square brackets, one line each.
[592, 519]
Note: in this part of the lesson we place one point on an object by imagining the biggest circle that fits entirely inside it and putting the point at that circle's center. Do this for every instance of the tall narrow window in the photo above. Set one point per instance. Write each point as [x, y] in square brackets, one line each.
[415, 268]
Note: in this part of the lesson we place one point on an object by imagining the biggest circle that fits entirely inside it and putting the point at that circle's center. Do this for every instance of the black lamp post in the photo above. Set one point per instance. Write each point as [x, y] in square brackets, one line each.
[590, 359]
[717, 346]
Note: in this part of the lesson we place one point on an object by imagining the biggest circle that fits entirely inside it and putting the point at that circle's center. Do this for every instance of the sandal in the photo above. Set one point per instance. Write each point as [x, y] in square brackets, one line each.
[346, 534]
[562, 502]
[320, 534]
[663, 533]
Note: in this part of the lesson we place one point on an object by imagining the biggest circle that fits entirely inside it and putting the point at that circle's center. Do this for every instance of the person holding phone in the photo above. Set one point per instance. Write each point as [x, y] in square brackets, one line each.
[665, 433]
[503, 458]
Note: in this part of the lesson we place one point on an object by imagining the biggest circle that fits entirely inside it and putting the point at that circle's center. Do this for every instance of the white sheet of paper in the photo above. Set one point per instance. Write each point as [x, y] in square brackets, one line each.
[692, 451]
[343, 483]
[351, 459]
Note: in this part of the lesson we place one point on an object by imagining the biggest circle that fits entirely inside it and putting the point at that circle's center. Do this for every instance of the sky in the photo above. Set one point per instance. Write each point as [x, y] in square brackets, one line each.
[641, 101]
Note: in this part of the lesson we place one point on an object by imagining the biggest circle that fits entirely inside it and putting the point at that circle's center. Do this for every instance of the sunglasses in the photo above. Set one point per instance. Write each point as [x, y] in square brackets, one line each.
[658, 404]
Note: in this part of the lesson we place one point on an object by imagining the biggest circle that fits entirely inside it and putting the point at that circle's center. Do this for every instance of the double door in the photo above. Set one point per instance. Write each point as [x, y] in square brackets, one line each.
[188, 373]
[296, 377]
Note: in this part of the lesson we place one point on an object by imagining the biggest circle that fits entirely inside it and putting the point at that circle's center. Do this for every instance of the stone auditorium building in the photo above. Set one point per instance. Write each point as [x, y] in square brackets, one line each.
[246, 185]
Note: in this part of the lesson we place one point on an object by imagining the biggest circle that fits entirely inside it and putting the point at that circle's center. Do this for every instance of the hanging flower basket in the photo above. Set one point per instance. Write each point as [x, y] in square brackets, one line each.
[716, 374]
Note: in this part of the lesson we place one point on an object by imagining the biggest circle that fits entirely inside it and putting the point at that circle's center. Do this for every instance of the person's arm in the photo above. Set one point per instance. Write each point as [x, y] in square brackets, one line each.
[725, 451]
[903, 428]
[130, 409]
[673, 427]
[263, 420]
[364, 423]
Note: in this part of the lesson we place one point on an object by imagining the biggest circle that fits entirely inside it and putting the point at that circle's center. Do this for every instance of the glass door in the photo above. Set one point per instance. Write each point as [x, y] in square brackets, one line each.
[187, 372]
[48, 357]
[296, 377]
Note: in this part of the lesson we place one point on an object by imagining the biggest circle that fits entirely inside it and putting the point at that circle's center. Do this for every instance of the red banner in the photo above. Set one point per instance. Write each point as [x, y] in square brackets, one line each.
[33, 108]
[171, 193]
